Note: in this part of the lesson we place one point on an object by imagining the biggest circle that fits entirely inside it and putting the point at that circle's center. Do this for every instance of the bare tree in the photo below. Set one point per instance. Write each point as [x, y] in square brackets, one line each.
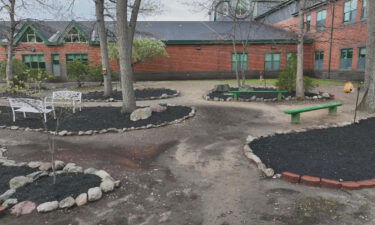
[300, 91]
[99, 7]
[368, 102]
[125, 36]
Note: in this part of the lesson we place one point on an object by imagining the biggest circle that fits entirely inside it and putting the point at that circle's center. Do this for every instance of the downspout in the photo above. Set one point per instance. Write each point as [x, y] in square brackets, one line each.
[331, 41]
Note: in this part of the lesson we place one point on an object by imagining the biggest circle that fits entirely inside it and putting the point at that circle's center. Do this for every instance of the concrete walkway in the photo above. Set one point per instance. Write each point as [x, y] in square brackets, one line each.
[195, 173]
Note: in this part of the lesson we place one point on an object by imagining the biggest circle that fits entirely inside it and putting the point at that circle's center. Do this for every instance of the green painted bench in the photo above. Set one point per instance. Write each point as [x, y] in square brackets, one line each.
[236, 93]
[295, 113]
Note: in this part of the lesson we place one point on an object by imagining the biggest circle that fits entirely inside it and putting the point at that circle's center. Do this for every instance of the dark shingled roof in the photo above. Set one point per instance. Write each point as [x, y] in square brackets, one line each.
[174, 30]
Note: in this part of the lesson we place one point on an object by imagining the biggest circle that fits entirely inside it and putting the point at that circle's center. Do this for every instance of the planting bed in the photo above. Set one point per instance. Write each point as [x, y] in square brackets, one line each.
[140, 94]
[222, 96]
[311, 157]
[95, 119]
[8, 172]
[70, 184]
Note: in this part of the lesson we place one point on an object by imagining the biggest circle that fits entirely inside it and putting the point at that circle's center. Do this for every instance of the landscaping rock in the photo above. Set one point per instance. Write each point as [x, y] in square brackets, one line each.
[221, 88]
[141, 114]
[34, 164]
[19, 181]
[90, 171]
[7, 195]
[48, 206]
[107, 185]
[94, 194]
[45, 166]
[102, 174]
[37, 174]
[23, 208]
[158, 108]
[59, 165]
[326, 95]
[63, 133]
[67, 202]
[245, 88]
[10, 202]
[81, 199]
[72, 168]
[89, 132]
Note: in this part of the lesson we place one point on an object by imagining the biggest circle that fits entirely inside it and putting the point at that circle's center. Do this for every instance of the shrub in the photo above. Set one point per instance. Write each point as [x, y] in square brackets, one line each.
[38, 77]
[19, 76]
[78, 71]
[287, 79]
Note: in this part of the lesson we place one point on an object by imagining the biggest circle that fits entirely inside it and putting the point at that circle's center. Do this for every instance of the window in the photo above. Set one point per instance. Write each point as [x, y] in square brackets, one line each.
[364, 9]
[272, 62]
[73, 36]
[362, 59]
[78, 56]
[321, 20]
[34, 61]
[242, 62]
[346, 59]
[225, 8]
[242, 7]
[308, 23]
[30, 36]
[319, 59]
[350, 11]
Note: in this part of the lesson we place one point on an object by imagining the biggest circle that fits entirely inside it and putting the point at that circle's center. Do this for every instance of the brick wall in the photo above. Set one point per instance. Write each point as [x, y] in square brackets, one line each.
[350, 35]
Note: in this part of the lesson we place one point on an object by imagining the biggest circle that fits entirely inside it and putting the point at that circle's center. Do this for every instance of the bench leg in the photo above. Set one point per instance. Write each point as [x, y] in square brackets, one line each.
[332, 110]
[235, 96]
[279, 96]
[296, 118]
[24, 115]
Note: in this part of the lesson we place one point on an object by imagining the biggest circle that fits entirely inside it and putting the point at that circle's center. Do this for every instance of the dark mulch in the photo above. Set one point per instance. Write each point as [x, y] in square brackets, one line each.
[140, 94]
[8, 172]
[346, 153]
[12, 94]
[94, 118]
[222, 95]
[43, 189]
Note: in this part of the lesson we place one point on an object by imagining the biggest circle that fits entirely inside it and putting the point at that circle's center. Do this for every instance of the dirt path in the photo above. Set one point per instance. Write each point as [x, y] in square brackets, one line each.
[195, 172]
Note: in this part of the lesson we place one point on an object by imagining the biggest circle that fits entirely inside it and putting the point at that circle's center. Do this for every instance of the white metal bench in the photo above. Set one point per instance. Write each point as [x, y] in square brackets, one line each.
[28, 105]
[73, 98]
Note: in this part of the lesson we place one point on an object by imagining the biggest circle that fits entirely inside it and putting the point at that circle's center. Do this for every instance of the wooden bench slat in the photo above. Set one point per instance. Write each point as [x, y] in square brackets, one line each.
[312, 108]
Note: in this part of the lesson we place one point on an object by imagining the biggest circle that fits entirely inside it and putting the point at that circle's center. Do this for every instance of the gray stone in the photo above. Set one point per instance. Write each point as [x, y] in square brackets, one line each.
[45, 166]
[14, 127]
[48, 206]
[63, 133]
[158, 108]
[141, 114]
[81, 199]
[67, 203]
[103, 174]
[23, 208]
[80, 133]
[107, 185]
[315, 97]
[89, 132]
[326, 95]
[17, 182]
[37, 174]
[94, 194]
[269, 172]
[7, 194]
[59, 165]
[245, 88]
[221, 88]
[10, 202]
[90, 171]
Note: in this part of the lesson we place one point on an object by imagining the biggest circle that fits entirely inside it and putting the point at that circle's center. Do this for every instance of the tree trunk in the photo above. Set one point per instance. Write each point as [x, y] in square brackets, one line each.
[300, 90]
[368, 102]
[99, 6]
[125, 42]
[10, 48]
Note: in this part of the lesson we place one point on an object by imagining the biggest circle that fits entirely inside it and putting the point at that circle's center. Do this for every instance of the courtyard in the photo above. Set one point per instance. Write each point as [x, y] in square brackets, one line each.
[195, 172]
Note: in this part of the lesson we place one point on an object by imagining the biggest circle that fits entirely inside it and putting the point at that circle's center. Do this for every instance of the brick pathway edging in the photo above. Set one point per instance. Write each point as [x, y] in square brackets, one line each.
[306, 179]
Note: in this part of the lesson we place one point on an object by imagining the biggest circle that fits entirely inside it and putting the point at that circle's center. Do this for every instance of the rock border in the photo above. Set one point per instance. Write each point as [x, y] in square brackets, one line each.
[316, 98]
[163, 96]
[104, 131]
[107, 184]
[306, 179]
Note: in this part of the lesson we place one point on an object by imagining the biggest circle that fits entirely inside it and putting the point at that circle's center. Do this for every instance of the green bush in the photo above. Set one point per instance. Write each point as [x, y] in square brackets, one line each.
[78, 71]
[19, 76]
[38, 77]
[287, 79]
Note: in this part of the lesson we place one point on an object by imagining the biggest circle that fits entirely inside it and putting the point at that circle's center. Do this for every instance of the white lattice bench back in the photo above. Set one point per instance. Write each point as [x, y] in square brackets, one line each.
[73, 98]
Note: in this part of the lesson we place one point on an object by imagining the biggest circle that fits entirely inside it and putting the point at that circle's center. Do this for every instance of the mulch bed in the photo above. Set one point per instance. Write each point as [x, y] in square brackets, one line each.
[9, 172]
[93, 118]
[221, 95]
[43, 189]
[140, 94]
[11, 94]
[345, 153]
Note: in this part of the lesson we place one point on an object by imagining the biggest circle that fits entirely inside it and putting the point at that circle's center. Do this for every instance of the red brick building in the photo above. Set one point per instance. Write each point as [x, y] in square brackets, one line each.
[339, 31]
[203, 50]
